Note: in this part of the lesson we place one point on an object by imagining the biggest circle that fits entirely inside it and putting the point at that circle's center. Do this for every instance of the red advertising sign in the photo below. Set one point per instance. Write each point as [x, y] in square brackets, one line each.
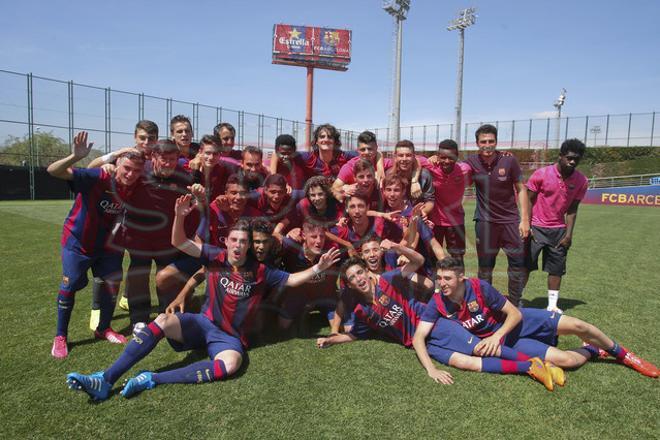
[323, 48]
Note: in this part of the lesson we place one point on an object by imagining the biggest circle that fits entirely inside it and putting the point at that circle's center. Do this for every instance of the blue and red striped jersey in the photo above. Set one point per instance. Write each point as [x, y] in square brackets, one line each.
[306, 210]
[393, 310]
[96, 209]
[479, 312]
[258, 206]
[233, 294]
[313, 165]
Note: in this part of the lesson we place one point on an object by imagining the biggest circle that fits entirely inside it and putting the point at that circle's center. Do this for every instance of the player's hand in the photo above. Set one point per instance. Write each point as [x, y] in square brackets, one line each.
[386, 244]
[323, 342]
[223, 202]
[487, 346]
[198, 191]
[177, 305]
[440, 376]
[415, 190]
[195, 164]
[328, 259]
[350, 190]
[295, 235]
[565, 242]
[343, 221]
[433, 160]
[184, 205]
[402, 260]
[80, 147]
[523, 229]
[351, 251]
[109, 168]
[392, 216]
[289, 190]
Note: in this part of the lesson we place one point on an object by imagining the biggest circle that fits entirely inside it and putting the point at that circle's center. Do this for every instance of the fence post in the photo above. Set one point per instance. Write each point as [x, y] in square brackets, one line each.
[586, 129]
[629, 124]
[465, 136]
[513, 132]
[140, 106]
[607, 129]
[529, 135]
[565, 131]
[30, 135]
[424, 137]
[196, 120]
[241, 128]
[108, 121]
[437, 134]
[168, 113]
[218, 115]
[547, 135]
[70, 96]
[652, 127]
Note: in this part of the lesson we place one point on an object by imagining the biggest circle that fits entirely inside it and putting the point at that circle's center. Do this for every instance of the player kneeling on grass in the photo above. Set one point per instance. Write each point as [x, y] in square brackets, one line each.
[235, 283]
[384, 303]
[487, 314]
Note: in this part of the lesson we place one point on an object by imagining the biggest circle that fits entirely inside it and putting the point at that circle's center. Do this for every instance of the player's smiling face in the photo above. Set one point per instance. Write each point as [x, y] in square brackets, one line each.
[358, 278]
[275, 195]
[365, 180]
[144, 140]
[227, 139]
[447, 159]
[368, 151]
[128, 171]
[318, 198]
[236, 196]
[487, 143]
[314, 238]
[210, 155]
[325, 141]
[237, 247]
[394, 195]
[404, 158]
[449, 282]
[182, 134]
[372, 254]
[285, 151]
[165, 163]
[357, 211]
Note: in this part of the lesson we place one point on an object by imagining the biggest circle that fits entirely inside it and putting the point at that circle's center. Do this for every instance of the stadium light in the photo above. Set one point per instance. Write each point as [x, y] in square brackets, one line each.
[466, 18]
[558, 105]
[398, 9]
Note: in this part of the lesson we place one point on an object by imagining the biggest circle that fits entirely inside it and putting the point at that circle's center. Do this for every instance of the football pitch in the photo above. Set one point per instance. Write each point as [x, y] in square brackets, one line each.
[367, 389]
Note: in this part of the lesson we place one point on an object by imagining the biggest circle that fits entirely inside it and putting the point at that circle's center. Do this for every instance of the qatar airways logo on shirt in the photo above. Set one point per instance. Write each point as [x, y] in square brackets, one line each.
[235, 288]
[111, 207]
[391, 317]
[472, 322]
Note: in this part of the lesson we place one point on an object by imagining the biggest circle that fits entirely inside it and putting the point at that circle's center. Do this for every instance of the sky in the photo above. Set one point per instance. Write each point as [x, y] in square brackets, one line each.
[518, 56]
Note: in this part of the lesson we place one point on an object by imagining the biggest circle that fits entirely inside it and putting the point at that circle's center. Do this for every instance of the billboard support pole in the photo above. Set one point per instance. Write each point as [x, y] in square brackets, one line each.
[308, 112]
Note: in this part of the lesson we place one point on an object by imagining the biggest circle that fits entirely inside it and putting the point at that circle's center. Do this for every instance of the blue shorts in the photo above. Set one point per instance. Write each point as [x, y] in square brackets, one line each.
[199, 332]
[449, 337]
[536, 332]
[75, 266]
[187, 265]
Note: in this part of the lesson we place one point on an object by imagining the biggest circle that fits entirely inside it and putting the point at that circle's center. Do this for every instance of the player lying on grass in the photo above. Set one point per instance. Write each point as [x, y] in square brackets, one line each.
[488, 315]
[236, 284]
[384, 303]
[100, 198]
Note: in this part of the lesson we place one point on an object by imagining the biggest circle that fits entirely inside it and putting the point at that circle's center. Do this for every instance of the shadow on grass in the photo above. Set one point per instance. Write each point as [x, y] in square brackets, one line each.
[541, 302]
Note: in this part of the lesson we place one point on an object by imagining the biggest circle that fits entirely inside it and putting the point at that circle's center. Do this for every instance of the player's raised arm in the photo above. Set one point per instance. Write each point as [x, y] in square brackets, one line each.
[415, 259]
[79, 150]
[325, 261]
[419, 344]
[184, 206]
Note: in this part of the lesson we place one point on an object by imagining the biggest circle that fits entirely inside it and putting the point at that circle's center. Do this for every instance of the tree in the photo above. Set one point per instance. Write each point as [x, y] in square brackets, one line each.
[47, 149]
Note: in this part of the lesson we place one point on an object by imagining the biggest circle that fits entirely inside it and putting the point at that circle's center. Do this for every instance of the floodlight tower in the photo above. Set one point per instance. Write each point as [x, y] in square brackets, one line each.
[398, 10]
[558, 105]
[466, 18]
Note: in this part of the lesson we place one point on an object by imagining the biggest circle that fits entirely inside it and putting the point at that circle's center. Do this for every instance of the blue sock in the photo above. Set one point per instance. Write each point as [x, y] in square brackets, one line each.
[591, 350]
[139, 346]
[199, 372]
[65, 301]
[108, 300]
[499, 366]
[511, 354]
[617, 351]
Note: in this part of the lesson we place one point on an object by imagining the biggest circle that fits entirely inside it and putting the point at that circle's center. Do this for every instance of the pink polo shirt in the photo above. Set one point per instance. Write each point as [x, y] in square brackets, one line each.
[449, 190]
[554, 195]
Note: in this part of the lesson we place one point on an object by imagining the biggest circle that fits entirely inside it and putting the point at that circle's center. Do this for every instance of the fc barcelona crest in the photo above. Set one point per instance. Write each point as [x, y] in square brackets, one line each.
[384, 300]
[473, 306]
[502, 171]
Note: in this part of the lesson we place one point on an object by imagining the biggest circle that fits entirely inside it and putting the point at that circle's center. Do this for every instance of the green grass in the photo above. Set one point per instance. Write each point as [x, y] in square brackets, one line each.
[369, 389]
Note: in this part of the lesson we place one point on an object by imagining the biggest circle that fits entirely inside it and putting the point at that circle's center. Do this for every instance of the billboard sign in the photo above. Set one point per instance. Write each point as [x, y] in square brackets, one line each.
[626, 196]
[309, 46]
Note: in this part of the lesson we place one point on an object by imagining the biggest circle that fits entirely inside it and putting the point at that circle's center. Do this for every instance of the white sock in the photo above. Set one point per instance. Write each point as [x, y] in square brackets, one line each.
[553, 297]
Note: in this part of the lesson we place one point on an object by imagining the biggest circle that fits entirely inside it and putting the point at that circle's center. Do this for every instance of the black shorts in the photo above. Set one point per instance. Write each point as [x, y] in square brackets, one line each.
[453, 236]
[491, 237]
[545, 240]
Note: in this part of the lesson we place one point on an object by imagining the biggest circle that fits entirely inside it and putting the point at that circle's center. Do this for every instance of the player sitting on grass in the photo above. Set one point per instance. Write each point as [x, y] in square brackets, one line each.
[486, 313]
[236, 284]
[384, 304]
[99, 201]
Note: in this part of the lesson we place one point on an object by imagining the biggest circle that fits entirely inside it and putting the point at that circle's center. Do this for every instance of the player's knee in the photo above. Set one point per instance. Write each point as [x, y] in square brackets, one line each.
[164, 277]
[462, 362]
[166, 320]
[231, 359]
